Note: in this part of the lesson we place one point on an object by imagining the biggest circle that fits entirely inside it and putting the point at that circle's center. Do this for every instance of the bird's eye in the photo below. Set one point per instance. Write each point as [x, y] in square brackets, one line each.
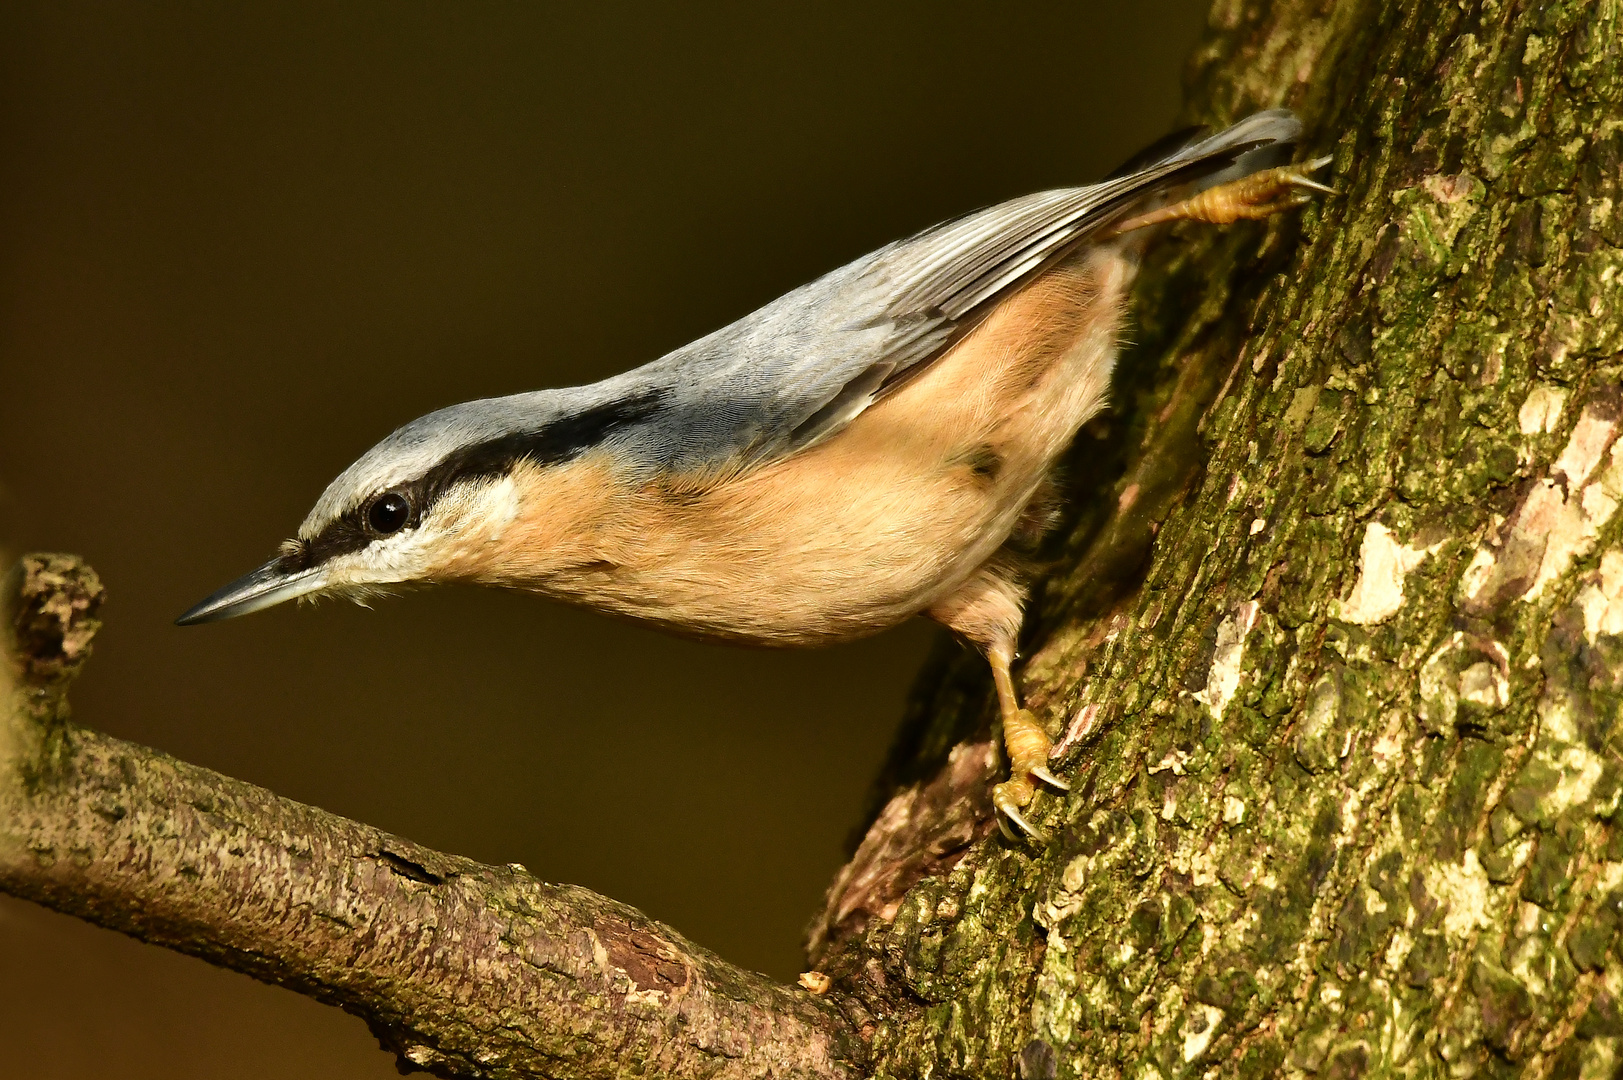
[388, 513]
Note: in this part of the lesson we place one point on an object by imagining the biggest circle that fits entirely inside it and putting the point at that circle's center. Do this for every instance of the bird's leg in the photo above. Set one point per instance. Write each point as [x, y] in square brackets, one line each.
[1260, 195]
[1027, 746]
[986, 610]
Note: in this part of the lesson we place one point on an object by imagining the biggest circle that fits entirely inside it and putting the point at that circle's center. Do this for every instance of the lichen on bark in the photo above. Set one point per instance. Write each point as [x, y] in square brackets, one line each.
[1334, 656]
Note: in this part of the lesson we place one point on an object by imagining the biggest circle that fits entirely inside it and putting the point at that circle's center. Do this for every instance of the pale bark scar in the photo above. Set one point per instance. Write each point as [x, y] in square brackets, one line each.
[1224, 677]
[1557, 521]
[651, 964]
[1383, 567]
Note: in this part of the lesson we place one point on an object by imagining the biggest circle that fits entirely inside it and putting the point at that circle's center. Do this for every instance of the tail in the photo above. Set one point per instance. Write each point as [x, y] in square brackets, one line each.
[1260, 141]
[957, 267]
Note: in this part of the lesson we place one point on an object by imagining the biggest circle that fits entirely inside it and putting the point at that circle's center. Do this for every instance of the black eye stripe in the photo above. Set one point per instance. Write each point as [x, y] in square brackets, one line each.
[557, 442]
[560, 441]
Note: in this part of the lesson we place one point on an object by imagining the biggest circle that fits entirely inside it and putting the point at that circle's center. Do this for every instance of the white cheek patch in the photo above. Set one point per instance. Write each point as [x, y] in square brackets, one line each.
[366, 573]
[398, 558]
[498, 504]
[463, 520]
[467, 517]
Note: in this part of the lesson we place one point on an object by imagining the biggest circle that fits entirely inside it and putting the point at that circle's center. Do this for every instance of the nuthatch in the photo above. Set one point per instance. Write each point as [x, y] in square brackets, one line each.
[872, 446]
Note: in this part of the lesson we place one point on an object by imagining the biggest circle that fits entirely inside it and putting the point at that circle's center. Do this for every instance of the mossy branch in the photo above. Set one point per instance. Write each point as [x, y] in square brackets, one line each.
[461, 969]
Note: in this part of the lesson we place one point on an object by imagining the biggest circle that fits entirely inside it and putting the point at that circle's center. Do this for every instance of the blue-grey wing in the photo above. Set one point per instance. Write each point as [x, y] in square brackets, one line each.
[800, 368]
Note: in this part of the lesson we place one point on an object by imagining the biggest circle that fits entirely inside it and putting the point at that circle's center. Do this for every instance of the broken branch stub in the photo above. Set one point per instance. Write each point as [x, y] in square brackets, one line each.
[51, 604]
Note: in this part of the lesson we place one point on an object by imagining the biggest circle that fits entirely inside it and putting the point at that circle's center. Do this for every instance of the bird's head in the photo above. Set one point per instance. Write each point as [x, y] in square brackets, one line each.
[433, 501]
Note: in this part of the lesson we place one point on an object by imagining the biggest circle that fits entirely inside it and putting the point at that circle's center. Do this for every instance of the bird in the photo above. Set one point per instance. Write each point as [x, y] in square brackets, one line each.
[875, 445]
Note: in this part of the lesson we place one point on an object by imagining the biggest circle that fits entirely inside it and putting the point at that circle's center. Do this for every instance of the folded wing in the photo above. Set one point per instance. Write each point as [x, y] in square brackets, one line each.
[801, 368]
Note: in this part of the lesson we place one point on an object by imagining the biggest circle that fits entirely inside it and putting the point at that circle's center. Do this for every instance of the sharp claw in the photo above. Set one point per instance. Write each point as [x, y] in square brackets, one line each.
[1301, 181]
[1003, 825]
[1041, 772]
[1302, 175]
[1030, 829]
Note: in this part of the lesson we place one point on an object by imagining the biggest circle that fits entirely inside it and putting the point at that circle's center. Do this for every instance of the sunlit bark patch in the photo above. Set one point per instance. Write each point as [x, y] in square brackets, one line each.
[1558, 519]
[1383, 564]
[1601, 598]
[1541, 411]
[1224, 678]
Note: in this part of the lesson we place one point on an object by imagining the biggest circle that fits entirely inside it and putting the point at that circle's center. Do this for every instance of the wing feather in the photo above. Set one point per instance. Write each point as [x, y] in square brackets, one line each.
[798, 370]
[957, 266]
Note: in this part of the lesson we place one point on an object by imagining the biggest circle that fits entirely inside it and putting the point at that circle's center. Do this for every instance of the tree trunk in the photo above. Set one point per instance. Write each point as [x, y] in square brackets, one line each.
[1333, 662]
[1331, 646]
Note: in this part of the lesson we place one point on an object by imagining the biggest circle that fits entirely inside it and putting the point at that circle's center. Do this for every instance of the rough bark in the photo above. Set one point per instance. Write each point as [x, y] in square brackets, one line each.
[1332, 648]
[459, 968]
[1333, 661]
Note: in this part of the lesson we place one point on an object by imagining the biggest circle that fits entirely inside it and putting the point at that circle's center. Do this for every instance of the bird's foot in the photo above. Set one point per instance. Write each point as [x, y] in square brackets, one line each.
[1260, 195]
[1027, 745]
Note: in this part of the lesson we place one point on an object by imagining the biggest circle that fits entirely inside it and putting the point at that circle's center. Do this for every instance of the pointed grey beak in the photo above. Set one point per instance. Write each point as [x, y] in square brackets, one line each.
[265, 587]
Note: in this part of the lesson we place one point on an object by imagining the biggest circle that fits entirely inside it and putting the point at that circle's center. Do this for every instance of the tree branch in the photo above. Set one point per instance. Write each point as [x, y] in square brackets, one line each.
[461, 969]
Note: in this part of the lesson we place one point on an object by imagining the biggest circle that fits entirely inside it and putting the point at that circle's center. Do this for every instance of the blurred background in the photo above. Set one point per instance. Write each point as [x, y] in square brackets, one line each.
[240, 243]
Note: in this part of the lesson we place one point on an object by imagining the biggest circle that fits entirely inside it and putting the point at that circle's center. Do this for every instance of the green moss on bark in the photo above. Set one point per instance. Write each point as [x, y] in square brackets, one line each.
[1378, 446]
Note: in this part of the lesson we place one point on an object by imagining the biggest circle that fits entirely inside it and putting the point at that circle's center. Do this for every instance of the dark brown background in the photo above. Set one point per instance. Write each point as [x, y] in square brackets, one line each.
[238, 245]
